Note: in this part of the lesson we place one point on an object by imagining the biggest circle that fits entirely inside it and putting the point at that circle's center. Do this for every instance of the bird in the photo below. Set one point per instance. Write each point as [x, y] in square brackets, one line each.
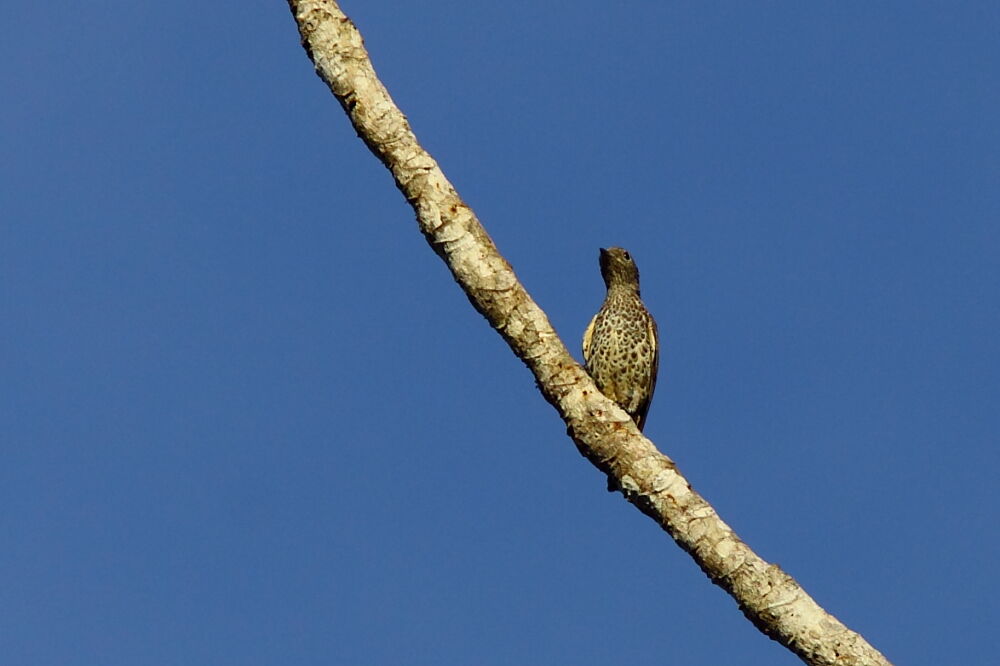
[621, 346]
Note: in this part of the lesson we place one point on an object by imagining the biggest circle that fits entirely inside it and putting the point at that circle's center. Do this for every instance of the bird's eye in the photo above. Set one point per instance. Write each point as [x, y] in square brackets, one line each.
[628, 257]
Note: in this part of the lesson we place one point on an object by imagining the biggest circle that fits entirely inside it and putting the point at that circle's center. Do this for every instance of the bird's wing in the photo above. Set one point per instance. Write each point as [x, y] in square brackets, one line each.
[654, 336]
[587, 336]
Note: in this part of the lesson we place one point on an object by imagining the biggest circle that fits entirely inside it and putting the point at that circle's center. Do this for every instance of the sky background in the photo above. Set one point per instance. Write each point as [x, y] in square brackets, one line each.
[248, 418]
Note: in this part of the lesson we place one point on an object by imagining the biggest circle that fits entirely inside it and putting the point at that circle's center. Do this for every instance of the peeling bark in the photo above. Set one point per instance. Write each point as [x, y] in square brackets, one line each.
[602, 431]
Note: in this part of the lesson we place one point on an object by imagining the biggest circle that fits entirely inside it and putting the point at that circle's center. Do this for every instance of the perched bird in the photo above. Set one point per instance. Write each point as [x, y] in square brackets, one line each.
[620, 346]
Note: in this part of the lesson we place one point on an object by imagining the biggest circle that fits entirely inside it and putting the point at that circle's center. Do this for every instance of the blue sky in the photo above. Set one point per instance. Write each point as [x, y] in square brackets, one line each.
[248, 418]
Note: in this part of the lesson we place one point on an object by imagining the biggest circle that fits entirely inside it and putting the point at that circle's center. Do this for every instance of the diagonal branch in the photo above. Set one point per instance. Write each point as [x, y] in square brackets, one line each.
[768, 597]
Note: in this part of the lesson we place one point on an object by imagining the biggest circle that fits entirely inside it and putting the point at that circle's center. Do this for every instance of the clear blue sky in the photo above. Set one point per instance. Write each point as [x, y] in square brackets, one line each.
[248, 418]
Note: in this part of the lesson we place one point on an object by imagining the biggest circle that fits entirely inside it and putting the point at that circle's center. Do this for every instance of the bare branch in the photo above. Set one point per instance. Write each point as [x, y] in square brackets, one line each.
[769, 597]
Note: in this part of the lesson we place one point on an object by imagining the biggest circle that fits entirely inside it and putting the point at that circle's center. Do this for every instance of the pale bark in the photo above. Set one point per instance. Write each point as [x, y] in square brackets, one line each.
[768, 597]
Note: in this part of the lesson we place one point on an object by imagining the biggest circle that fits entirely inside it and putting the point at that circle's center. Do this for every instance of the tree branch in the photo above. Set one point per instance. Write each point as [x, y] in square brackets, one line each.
[768, 597]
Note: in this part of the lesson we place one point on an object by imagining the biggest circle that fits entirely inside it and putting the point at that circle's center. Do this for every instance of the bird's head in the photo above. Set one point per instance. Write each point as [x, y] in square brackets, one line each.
[618, 268]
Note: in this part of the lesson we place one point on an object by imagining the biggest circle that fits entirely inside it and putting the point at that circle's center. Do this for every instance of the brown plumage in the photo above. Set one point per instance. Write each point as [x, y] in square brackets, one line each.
[620, 346]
